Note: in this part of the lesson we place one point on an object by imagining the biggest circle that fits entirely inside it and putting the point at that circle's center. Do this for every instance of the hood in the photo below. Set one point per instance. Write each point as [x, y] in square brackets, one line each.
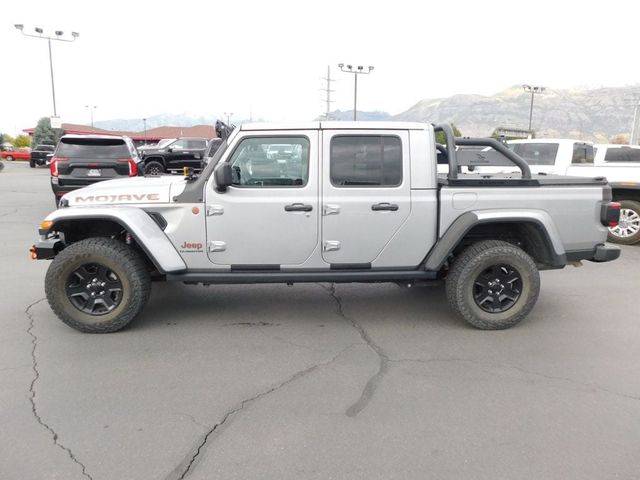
[136, 190]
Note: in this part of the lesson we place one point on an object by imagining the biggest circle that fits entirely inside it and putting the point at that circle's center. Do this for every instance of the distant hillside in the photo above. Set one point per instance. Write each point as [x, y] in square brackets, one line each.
[594, 115]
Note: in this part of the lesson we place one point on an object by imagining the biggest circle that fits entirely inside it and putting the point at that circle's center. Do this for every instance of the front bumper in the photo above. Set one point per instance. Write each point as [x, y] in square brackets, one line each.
[46, 249]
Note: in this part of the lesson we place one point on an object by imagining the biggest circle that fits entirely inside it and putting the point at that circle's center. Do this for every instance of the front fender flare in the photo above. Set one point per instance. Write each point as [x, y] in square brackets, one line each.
[137, 222]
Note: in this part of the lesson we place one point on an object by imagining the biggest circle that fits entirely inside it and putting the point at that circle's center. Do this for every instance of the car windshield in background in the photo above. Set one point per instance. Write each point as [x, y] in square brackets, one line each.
[46, 148]
[622, 154]
[537, 153]
[92, 148]
[164, 142]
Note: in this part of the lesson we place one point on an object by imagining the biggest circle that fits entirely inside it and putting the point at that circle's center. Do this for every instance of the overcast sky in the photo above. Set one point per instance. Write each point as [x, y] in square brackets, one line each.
[137, 59]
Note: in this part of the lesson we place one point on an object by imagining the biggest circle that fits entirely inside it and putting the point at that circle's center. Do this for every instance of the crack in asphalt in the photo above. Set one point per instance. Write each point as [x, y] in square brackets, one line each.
[520, 369]
[32, 392]
[184, 468]
[372, 384]
[15, 210]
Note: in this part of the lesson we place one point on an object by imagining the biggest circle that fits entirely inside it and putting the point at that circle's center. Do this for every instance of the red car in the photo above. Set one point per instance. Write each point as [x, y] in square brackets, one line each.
[20, 154]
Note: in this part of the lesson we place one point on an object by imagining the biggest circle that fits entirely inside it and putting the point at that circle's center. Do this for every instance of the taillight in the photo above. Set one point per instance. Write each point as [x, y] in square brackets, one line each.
[611, 214]
[53, 166]
[133, 166]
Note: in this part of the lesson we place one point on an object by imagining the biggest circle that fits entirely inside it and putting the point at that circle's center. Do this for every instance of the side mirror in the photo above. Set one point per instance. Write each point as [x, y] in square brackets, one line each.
[170, 149]
[223, 175]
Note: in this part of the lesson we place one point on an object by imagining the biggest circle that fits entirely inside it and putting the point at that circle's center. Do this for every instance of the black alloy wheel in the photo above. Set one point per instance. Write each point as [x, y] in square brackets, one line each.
[94, 289]
[497, 288]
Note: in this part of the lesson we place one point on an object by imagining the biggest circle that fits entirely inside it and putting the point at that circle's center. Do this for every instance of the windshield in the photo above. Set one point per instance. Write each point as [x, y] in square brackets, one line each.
[164, 142]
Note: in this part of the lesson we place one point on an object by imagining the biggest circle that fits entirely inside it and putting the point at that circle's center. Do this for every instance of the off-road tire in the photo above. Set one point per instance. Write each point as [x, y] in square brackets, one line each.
[461, 283]
[153, 168]
[633, 208]
[32, 163]
[116, 256]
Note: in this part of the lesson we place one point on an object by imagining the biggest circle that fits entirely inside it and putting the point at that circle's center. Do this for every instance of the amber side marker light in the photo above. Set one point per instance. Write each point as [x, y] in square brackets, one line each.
[46, 224]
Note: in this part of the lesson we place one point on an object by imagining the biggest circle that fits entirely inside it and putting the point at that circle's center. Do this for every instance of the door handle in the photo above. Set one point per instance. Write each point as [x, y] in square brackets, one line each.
[298, 207]
[384, 206]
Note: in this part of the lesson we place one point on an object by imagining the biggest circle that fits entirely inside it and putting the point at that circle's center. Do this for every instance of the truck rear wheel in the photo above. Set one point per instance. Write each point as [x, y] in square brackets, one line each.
[493, 285]
[97, 285]
[628, 230]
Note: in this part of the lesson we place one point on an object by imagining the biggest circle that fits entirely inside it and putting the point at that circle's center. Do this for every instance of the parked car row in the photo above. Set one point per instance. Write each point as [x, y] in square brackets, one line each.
[620, 164]
[81, 160]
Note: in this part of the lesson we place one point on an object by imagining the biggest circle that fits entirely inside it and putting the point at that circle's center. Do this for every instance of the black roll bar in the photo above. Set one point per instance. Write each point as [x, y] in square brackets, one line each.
[516, 159]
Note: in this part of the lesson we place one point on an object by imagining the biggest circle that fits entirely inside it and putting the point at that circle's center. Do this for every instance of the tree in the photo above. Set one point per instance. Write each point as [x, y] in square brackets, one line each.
[440, 138]
[6, 138]
[22, 141]
[45, 134]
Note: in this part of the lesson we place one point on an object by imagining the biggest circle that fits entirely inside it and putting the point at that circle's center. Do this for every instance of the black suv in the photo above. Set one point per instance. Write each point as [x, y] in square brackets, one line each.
[173, 157]
[80, 160]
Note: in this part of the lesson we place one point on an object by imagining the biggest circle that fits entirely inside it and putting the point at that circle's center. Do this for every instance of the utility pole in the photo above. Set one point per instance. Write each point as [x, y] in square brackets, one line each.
[59, 37]
[634, 126]
[328, 93]
[228, 115]
[533, 89]
[359, 70]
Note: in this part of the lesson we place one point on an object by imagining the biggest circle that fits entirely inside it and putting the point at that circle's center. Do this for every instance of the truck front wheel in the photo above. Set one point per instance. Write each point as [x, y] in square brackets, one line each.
[493, 285]
[97, 285]
[628, 230]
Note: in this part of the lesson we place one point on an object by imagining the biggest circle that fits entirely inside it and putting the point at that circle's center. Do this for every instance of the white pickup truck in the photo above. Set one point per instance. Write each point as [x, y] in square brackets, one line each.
[619, 164]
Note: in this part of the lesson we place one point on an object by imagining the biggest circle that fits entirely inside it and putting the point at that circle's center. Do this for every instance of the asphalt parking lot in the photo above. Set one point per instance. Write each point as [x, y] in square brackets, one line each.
[315, 381]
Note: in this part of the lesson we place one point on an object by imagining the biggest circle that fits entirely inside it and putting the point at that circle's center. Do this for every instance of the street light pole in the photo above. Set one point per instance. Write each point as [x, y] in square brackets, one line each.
[91, 109]
[144, 122]
[359, 70]
[533, 89]
[59, 36]
[228, 115]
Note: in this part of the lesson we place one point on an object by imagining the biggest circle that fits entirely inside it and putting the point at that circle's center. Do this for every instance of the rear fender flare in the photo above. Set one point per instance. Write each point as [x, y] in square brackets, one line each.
[465, 222]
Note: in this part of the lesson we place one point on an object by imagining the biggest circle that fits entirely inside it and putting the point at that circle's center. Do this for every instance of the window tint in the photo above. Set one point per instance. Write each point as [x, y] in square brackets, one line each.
[537, 153]
[622, 154]
[179, 144]
[271, 162]
[196, 144]
[366, 160]
[582, 153]
[88, 148]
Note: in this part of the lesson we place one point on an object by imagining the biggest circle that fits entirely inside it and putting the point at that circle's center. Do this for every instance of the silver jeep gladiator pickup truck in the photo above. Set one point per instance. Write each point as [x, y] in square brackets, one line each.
[325, 202]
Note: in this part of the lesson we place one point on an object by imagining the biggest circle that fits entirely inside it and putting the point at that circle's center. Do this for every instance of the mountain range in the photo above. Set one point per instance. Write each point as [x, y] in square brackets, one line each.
[596, 114]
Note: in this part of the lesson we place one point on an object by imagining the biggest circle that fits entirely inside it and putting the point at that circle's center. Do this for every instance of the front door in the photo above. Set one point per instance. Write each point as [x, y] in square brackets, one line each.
[366, 194]
[269, 216]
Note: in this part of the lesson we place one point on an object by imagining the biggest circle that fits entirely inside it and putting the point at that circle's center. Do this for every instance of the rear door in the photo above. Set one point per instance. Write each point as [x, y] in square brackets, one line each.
[366, 193]
[84, 160]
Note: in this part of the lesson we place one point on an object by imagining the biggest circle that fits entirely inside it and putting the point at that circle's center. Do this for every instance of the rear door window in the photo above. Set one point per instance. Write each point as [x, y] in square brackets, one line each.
[537, 153]
[91, 148]
[622, 154]
[197, 144]
[366, 160]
